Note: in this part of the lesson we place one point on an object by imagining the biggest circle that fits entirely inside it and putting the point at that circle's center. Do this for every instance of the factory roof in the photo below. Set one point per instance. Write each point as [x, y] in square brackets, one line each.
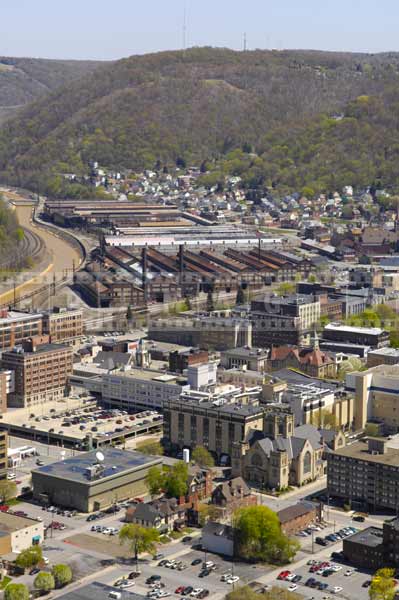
[115, 463]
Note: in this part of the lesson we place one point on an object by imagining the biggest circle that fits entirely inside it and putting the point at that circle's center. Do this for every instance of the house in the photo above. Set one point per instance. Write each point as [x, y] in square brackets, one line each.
[233, 494]
[165, 514]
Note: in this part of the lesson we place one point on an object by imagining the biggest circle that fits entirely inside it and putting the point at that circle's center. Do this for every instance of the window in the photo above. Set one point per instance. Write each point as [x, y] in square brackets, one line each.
[256, 460]
[307, 462]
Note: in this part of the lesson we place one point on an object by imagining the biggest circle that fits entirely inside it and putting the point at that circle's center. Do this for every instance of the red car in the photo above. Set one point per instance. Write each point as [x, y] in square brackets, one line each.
[4, 508]
[180, 589]
[283, 575]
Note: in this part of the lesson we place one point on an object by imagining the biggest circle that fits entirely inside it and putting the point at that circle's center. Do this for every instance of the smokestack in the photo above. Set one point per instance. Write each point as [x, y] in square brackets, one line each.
[144, 274]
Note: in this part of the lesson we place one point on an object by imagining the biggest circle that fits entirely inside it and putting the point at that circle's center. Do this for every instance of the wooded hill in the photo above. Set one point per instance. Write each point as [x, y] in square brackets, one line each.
[204, 103]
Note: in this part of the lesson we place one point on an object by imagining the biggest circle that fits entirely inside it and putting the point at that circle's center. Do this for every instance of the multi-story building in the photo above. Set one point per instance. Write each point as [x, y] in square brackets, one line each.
[15, 327]
[63, 324]
[7, 386]
[284, 320]
[3, 453]
[207, 332]
[375, 337]
[191, 422]
[365, 475]
[383, 356]
[374, 547]
[41, 372]
[311, 360]
[253, 359]
[376, 396]
[180, 361]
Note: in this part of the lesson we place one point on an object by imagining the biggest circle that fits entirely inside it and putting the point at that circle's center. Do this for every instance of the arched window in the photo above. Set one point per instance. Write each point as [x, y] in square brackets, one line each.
[307, 462]
[256, 461]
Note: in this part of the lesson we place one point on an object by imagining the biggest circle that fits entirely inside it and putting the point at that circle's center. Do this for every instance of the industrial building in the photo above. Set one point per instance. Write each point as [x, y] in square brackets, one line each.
[16, 327]
[63, 324]
[375, 337]
[93, 480]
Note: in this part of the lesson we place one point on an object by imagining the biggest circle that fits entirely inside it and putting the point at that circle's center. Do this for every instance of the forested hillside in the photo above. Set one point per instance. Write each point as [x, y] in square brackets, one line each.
[204, 103]
[23, 80]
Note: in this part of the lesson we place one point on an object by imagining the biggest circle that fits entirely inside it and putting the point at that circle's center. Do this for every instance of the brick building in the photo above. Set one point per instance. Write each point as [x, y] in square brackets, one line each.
[3, 453]
[15, 327]
[299, 516]
[41, 372]
[63, 324]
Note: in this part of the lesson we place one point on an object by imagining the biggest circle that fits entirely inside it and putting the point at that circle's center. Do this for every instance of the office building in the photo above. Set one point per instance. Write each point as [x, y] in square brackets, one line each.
[253, 359]
[383, 356]
[86, 483]
[207, 332]
[284, 320]
[374, 547]
[15, 327]
[63, 324]
[7, 386]
[365, 475]
[194, 421]
[3, 453]
[41, 372]
[375, 337]
[376, 394]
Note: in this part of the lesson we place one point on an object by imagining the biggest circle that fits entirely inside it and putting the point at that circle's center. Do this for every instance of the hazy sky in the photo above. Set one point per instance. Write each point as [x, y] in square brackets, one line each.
[104, 29]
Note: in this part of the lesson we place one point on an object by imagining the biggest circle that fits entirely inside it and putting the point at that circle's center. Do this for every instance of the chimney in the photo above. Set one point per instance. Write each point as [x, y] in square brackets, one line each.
[144, 274]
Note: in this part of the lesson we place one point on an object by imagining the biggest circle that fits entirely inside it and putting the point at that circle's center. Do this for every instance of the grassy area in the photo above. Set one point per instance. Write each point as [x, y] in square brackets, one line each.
[164, 539]
[176, 535]
[4, 582]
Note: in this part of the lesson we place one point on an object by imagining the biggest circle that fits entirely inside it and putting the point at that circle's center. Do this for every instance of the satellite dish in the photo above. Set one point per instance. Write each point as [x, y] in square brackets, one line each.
[100, 456]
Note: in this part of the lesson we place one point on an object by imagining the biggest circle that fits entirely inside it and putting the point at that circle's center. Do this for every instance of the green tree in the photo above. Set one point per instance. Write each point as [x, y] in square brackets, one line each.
[176, 480]
[275, 593]
[155, 480]
[259, 536]
[44, 582]
[8, 490]
[150, 447]
[139, 539]
[286, 288]
[382, 585]
[16, 591]
[208, 512]
[62, 575]
[29, 557]
[325, 420]
[202, 457]
[348, 366]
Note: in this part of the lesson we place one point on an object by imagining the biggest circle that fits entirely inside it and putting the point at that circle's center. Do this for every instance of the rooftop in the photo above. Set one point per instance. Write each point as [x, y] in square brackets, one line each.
[144, 374]
[360, 451]
[98, 591]
[371, 537]
[246, 351]
[40, 349]
[348, 329]
[115, 462]
[15, 316]
[385, 352]
[296, 510]
[10, 523]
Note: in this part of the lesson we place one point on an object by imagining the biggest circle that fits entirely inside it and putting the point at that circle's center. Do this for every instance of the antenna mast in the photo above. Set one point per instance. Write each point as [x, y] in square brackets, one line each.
[184, 26]
[245, 42]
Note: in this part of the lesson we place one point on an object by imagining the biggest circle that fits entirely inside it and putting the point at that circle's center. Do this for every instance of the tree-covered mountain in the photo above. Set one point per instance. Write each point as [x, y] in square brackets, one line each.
[202, 104]
[23, 80]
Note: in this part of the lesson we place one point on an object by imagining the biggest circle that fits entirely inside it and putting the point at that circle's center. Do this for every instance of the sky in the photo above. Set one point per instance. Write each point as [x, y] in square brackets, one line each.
[99, 29]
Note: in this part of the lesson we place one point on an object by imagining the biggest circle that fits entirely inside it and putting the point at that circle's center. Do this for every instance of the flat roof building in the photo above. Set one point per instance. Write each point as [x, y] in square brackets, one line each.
[15, 327]
[41, 372]
[87, 483]
[370, 336]
[365, 475]
[18, 533]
